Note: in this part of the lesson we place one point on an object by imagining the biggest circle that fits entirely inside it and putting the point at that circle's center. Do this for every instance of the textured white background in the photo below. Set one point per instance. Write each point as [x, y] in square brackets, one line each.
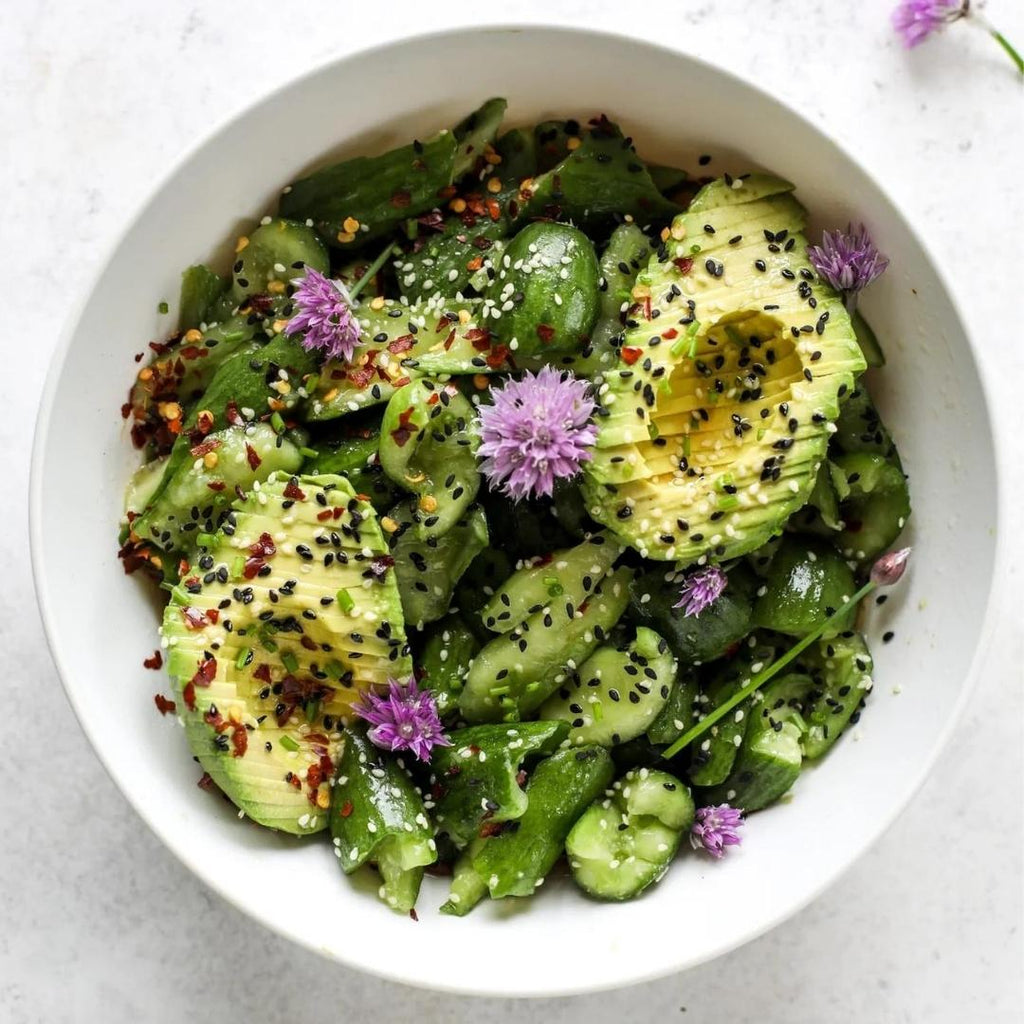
[96, 920]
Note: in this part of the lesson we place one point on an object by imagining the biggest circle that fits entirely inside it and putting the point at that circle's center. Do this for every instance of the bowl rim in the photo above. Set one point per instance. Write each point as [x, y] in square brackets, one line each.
[350, 956]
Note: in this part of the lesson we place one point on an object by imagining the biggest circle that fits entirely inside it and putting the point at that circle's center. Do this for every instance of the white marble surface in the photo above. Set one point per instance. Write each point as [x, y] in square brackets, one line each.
[97, 921]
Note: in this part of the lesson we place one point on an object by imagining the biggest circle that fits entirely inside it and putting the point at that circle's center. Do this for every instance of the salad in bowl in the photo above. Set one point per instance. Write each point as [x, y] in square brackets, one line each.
[513, 500]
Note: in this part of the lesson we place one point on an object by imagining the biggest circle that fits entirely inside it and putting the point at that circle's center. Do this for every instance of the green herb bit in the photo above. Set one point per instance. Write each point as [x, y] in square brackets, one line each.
[163, 308]
[290, 662]
[244, 658]
[288, 743]
[206, 540]
[345, 600]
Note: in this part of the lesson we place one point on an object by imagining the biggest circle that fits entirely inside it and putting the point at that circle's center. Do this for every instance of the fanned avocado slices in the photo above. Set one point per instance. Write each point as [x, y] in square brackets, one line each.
[290, 611]
[734, 361]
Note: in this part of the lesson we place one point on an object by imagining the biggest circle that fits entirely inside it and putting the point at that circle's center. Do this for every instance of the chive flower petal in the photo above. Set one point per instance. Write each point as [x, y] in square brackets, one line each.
[847, 260]
[701, 589]
[324, 317]
[538, 430]
[716, 827]
[405, 718]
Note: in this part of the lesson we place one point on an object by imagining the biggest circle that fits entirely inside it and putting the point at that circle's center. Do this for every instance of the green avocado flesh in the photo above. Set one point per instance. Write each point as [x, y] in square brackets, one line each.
[289, 611]
[734, 361]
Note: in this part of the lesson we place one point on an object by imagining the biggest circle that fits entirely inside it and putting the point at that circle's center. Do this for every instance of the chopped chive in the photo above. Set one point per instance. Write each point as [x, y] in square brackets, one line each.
[598, 709]
[277, 422]
[499, 691]
[206, 540]
[728, 501]
[288, 743]
[290, 662]
[163, 307]
[312, 710]
[244, 657]
[309, 453]
[652, 430]
[334, 669]
[686, 445]
[238, 566]
[691, 337]
[734, 334]
[345, 600]
[695, 249]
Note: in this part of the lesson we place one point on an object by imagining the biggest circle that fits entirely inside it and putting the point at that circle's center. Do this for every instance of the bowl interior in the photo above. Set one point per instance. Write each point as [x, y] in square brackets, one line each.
[101, 628]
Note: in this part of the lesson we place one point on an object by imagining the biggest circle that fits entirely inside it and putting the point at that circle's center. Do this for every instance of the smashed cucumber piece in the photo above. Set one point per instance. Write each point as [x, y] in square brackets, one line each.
[517, 860]
[625, 842]
[377, 816]
[602, 179]
[715, 754]
[876, 505]
[200, 290]
[770, 757]
[694, 640]
[445, 659]
[274, 255]
[194, 499]
[841, 670]
[428, 569]
[486, 572]
[427, 446]
[467, 887]
[142, 486]
[356, 459]
[859, 427]
[617, 693]
[475, 132]
[355, 201]
[679, 712]
[564, 576]
[516, 672]
[475, 782]
[868, 340]
[807, 582]
[544, 297]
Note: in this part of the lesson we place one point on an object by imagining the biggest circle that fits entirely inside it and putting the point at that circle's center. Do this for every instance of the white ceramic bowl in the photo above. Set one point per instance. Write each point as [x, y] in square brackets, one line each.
[100, 625]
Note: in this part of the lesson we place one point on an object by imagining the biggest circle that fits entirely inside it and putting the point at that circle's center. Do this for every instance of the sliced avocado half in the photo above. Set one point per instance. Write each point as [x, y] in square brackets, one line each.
[288, 613]
[735, 358]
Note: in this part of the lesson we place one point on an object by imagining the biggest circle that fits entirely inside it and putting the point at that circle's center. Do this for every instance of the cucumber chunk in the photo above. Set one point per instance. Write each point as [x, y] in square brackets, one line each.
[625, 842]
[807, 582]
[516, 672]
[427, 447]
[876, 506]
[567, 576]
[475, 781]
[679, 712]
[275, 255]
[445, 660]
[468, 888]
[516, 861]
[841, 669]
[200, 290]
[617, 693]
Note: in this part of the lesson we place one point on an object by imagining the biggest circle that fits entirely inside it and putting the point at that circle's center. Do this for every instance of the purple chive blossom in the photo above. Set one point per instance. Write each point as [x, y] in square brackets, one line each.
[848, 261]
[888, 569]
[916, 20]
[405, 718]
[323, 316]
[703, 587]
[537, 431]
[715, 828]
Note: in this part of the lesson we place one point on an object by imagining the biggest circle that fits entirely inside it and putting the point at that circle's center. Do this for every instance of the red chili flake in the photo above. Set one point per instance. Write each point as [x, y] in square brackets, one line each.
[126, 410]
[346, 809]
[163, 705]
[413, 914]
[631, 355]
[545, 332]
[206, 783]
[497, 356]
[160, 348]
[206, 672]
[491, 828]
[205, 447]
[337, 512]
[252, 567]
[433, 221]
[213, 615]
[261, 303]
[521, 779]
[448, 341]
[403, 344]
[447, 192]
[295, 493]
[493, 209]
[434, 399]
[482, 242]
[647, 308]
[362, 376]
[252, 455]
[213, 718]
[478, 334]
[684, 264]
[232, 415]
[194, 352]
[293, 780]
[239, 741]
[405, 429]
[216, 485]
[188, 693]
[670, 334]
[195, 618]
[475, 263]
[265, 546]
[583, 607]
[262, 673]
[401, 382]
[138, 356]
[401, 199]
[155, 662]
[242, 495]
[324, 516]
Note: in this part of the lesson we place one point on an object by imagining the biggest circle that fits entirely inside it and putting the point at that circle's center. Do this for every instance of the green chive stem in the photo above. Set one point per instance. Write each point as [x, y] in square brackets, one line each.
[763, 676]
[371, 271]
